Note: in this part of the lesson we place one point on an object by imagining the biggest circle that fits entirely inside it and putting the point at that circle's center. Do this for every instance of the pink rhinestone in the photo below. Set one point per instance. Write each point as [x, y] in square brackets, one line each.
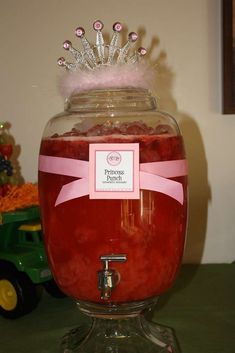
[61, 61]
[98, 25]
[133, 36]
[67, 44]
[142, 51]
[169, 348]
[117, 27]
[79, 32]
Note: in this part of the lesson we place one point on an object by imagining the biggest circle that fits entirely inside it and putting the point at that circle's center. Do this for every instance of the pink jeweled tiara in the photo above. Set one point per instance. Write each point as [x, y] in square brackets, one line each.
[101, 54]
[102, 65]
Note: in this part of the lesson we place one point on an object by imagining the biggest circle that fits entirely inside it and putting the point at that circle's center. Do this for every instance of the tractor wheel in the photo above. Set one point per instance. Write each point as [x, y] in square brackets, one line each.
[18, 295]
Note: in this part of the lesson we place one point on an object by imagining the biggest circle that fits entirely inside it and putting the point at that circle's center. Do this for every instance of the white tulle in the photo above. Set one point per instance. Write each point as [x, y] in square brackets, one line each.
[117, 76]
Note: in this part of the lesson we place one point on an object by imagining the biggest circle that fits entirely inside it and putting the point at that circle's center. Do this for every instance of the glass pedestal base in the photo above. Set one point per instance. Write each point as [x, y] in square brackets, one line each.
[120, 334]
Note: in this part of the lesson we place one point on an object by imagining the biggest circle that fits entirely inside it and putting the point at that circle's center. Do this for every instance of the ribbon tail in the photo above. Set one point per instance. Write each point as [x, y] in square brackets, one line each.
[166, 186]
[77, 188]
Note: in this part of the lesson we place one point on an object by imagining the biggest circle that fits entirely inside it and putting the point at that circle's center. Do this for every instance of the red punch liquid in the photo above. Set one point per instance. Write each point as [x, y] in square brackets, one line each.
[150, 231]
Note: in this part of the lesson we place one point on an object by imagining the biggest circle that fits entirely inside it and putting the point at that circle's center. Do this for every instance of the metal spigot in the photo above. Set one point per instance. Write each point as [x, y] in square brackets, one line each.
[108, 278]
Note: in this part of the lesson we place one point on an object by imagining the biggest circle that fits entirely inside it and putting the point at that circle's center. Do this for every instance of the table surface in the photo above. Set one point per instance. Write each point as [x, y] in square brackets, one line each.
[200, 307]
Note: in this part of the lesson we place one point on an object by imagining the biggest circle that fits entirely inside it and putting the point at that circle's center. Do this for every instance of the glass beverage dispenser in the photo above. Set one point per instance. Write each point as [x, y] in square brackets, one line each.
[112, 183]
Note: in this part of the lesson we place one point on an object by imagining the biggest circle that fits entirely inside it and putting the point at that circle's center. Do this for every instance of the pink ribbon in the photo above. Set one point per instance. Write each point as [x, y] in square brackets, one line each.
[153, 176]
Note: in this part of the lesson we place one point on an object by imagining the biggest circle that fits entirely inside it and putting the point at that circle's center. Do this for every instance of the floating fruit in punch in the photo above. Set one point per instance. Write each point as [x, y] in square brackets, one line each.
[151, 229]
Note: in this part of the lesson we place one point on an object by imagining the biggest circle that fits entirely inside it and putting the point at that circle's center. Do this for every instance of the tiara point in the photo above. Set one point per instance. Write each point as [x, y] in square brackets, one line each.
[142, 51]
[61, 61]
[79, 31]
[98, 25]
[67, 44]
[117, 27]
[132, 36]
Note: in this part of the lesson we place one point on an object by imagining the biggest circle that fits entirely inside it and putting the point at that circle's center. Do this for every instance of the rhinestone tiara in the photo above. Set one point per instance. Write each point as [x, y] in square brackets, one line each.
[99, 55]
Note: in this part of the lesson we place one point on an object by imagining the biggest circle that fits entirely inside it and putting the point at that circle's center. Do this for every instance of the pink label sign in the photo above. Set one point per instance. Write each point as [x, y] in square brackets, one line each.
[114, 171]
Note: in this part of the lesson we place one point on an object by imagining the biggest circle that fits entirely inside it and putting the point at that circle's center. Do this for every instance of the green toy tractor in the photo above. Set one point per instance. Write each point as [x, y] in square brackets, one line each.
[23, 263]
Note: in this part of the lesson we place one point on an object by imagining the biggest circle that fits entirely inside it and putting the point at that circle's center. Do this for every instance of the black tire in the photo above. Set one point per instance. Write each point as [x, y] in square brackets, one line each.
[24, 291]
[52, 289]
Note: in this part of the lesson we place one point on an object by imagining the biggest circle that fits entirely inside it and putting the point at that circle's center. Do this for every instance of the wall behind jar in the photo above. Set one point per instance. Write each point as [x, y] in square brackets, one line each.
[184, 40]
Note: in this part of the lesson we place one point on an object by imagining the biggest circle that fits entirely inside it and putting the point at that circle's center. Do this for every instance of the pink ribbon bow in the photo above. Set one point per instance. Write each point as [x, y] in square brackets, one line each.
[153, 176]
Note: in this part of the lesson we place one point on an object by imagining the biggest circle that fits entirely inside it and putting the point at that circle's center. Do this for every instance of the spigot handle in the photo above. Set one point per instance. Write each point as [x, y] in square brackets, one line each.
[114, 258]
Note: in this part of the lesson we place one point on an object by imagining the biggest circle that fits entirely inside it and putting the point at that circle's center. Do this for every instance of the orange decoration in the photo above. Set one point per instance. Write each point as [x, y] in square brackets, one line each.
[19, 196]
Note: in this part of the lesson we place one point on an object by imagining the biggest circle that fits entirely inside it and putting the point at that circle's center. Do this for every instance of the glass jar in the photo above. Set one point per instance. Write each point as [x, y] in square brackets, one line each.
[114, 256]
